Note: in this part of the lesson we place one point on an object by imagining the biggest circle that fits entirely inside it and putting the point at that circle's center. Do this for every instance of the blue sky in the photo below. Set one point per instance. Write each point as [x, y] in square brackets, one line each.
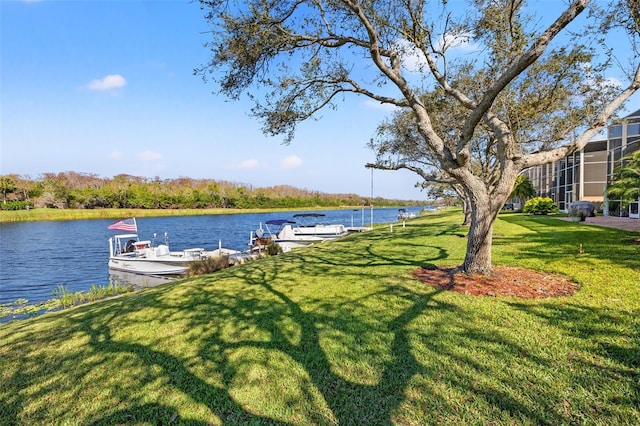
[107, 87]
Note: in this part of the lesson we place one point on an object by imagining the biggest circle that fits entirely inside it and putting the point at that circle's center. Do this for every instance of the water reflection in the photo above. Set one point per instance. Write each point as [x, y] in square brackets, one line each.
[138, 281]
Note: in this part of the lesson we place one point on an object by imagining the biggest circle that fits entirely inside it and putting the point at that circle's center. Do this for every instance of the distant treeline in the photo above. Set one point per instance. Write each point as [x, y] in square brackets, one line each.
[87, 191]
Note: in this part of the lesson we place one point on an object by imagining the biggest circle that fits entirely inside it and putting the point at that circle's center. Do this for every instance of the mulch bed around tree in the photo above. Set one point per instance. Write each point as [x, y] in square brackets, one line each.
[505, 281]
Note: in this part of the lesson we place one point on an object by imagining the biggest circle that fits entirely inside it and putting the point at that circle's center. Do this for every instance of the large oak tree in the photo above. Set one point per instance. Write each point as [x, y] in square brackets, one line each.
[532, 89]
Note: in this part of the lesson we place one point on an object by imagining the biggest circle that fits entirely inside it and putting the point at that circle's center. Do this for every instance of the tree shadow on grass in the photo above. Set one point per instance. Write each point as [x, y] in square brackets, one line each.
[352, 400]
[264, 305]
[180, 378]
[347, 401]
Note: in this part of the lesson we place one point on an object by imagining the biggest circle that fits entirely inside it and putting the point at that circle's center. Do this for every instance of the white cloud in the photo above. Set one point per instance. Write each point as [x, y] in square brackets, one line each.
[149, 155]
[460, 41]
[245, 165]
[249, 164]
[116, 155]
[291, 162]
[112, 81]
[602, 85]
[413, 60]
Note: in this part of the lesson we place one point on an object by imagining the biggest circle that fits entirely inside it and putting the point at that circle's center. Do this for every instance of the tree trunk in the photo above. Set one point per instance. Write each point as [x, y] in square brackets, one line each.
[485, 204]
[479, 241]
[466, 209]
[484, 207]
[466, 204]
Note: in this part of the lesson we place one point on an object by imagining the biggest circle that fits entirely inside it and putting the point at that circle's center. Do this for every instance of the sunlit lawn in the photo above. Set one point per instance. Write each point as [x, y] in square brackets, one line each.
[342, 334]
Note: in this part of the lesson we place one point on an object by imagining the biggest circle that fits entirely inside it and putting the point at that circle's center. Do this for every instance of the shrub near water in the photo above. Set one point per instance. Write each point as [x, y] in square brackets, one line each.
[273, 249]
[540, 206]
[66, 298]
[16, 205]
[208, 265]
[63, 299]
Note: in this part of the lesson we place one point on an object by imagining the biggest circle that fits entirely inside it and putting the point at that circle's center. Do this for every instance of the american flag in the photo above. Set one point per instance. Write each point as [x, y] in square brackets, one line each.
[128, 225]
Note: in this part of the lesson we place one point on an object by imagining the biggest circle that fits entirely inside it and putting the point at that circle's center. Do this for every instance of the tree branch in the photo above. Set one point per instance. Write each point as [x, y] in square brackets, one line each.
[523, 62]
[598, 124]
[428, 177]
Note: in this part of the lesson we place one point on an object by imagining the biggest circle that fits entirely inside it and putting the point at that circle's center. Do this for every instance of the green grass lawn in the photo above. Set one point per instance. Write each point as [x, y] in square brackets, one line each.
[340, 333]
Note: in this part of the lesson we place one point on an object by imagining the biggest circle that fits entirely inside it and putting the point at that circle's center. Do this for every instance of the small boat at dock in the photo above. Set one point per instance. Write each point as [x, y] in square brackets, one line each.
[129, 254]
[301, 232]
[404, 214]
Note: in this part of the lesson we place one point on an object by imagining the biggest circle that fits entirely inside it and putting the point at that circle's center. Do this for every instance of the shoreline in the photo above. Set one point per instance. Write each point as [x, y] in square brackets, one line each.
[51, 214]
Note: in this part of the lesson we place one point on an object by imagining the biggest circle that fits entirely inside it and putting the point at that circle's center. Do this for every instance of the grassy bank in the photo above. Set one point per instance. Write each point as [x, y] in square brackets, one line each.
[76, 214]
[341, 334]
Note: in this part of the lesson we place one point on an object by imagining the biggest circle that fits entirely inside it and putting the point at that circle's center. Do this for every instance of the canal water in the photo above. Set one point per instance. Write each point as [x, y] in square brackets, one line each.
[38, 257]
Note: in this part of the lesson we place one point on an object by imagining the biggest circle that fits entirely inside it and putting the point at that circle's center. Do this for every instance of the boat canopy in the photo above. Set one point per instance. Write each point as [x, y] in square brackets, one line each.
[279, 222]
[125, 236]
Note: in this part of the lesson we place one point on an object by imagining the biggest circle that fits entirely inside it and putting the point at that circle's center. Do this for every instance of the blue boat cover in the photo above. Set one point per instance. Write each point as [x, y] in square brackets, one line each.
[278, 222]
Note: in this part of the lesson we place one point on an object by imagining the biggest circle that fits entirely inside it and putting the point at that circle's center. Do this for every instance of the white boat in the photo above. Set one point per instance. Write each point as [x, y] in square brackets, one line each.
[127, 253]
[293, 234]
[305, 228]
[403, 214]
[278, 231]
